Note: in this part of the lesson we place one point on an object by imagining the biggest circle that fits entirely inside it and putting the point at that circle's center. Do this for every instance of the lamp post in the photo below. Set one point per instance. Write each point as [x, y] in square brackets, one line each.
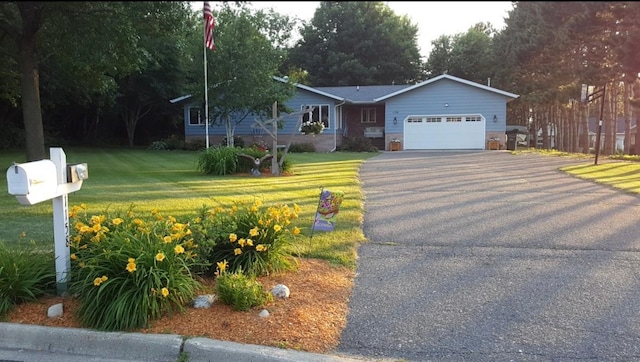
[586, 97]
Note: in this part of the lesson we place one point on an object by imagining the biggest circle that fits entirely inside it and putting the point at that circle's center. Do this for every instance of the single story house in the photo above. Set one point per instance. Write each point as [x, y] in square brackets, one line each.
[442, 113]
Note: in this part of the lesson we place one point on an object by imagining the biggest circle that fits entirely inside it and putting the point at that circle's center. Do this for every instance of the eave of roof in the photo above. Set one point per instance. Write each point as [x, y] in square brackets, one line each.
[447, 76]
[310, 89]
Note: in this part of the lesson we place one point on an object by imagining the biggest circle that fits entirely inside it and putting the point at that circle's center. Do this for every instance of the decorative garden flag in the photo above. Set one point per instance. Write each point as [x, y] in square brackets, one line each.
[328, 208]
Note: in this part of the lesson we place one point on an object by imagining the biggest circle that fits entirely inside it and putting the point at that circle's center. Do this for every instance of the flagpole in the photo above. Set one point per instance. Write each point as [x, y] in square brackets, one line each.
[206, 90]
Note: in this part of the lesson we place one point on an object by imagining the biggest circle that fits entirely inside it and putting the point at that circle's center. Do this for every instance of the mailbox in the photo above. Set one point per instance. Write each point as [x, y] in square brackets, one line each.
[77, 172]
[37, 177]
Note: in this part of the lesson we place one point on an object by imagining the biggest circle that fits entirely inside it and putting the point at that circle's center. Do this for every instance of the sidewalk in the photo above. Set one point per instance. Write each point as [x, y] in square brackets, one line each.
[26, 343]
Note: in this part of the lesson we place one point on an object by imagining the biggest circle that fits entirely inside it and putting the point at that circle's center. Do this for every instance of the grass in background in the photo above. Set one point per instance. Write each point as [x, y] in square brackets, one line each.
[169, 182]
[623, 175]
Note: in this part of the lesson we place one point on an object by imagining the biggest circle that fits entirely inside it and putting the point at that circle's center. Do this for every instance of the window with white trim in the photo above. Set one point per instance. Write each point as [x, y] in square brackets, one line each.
[454, 119]
[368, 115]
[195, 119]
[473, 118]
[320, 113]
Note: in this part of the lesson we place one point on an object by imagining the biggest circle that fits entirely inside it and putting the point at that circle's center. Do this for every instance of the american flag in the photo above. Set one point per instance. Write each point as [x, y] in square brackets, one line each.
[209, 23]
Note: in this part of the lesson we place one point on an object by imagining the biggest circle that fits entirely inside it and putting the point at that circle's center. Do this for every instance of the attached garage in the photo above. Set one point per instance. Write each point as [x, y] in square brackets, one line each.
[449, 132]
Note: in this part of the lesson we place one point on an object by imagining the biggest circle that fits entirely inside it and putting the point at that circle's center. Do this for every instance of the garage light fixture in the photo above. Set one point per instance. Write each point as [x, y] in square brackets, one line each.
[395, 120]
[495, 118]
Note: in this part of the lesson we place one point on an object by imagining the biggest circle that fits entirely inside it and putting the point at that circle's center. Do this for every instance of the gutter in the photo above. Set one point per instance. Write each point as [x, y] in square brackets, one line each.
[335, 129]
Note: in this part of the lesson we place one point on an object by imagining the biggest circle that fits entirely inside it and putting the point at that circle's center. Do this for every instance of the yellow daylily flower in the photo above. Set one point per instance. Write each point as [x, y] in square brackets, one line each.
[222, 266]
[178, 249]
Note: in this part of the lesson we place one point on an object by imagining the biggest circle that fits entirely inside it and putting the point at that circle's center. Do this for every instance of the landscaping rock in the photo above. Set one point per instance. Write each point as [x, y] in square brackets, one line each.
[204, 301]
[55, 311]
[280, 291]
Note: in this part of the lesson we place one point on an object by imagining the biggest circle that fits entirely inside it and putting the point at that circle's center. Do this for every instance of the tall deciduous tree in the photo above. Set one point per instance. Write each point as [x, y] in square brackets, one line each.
[163, 30]
[466, 55]
[243, 64]
[358, 43]
[22, 22]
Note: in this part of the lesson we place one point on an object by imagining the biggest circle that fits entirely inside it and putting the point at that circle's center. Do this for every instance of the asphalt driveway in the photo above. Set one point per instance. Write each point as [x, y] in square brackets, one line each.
[488, 256]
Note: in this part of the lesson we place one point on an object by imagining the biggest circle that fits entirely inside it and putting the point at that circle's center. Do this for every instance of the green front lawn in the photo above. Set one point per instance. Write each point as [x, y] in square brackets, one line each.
[169, 182]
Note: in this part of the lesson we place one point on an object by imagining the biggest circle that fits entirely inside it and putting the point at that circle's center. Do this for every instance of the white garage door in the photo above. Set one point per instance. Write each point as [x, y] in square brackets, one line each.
[444, 132]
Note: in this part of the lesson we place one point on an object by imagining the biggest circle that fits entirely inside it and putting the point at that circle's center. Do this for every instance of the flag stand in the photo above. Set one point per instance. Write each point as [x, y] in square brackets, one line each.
[315, 215]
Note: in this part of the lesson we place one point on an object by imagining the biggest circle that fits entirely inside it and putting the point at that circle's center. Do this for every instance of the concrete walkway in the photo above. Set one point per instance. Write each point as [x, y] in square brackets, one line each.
[489, 256]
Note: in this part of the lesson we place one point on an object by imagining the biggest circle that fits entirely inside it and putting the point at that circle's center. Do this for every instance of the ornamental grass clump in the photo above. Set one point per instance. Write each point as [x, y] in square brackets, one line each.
[239, 290]
[250, 237]
[24, 276]
[128, 270]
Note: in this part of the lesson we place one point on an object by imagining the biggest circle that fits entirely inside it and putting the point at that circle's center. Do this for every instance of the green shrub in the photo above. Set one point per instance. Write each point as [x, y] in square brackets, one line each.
[357, 144]
[24, 276]
[173, 142]
[302, 147]
[218, 161]
[195, 145]
[241, 291]
[251, 238]
[159, 146]
[127, 271]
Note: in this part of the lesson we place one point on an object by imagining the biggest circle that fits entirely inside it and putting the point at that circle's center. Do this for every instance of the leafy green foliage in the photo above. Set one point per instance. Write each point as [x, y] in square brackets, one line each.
[250, 237]
[127, 271]
[465, 55]
[241, 291]
[218, 161]
[357, 144]
[243, 65]
[302, 147]
[358, 42]
[24, 276]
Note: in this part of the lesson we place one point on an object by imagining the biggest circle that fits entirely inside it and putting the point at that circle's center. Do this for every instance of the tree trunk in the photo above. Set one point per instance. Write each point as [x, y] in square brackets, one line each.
[627, 118]
[30, 82]
[584, 129]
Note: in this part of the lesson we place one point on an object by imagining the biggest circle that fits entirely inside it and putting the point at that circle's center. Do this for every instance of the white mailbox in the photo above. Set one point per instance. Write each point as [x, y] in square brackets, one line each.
[31, 178]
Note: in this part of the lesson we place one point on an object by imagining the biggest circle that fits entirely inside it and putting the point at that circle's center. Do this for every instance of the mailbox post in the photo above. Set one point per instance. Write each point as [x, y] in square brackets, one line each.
[37, 181]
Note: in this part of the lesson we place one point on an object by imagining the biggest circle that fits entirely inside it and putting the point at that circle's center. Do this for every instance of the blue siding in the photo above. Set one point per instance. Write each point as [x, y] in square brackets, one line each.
[301, 98]
[432, 99]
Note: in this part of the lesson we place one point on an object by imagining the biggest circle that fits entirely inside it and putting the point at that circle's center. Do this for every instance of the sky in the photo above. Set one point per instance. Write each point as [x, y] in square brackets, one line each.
[434, 18]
